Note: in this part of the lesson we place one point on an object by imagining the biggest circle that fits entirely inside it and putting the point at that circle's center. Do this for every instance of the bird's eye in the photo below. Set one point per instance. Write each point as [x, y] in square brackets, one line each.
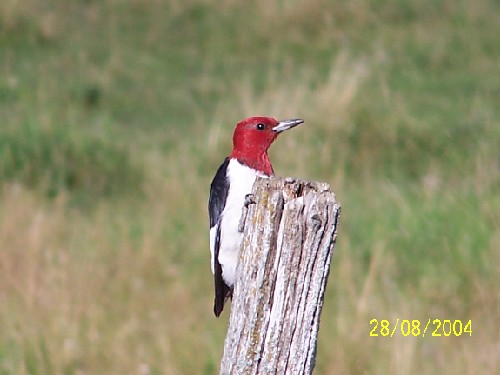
[260, 126]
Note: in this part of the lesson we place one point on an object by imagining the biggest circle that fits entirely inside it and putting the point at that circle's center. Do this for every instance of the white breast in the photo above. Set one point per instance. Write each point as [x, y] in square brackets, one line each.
[241, 179]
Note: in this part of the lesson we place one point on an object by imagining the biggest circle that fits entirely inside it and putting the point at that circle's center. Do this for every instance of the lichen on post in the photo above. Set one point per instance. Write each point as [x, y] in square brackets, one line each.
[283, 268]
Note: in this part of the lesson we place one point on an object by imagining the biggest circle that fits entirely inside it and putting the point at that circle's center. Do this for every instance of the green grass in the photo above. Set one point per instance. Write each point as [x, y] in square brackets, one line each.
[115, 116]
[61, 159]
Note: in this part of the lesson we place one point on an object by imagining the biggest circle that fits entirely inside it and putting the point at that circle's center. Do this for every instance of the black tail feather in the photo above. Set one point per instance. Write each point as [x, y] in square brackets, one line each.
[222, 293]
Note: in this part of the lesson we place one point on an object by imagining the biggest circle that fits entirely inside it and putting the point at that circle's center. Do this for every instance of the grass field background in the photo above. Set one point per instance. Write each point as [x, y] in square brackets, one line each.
[116, 114]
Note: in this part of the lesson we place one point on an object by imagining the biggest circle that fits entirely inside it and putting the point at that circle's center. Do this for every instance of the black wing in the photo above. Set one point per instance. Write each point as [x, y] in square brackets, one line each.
[219, 190]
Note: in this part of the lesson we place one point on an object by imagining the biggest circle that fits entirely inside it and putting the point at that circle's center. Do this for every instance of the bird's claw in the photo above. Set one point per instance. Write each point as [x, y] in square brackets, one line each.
[249, 199]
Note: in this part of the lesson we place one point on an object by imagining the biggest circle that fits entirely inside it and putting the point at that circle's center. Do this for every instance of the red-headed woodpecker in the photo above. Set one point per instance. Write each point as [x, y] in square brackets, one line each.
[232, 183]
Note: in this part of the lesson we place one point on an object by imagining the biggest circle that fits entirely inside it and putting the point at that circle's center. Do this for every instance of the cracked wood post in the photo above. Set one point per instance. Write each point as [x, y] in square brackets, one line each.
[282, 271]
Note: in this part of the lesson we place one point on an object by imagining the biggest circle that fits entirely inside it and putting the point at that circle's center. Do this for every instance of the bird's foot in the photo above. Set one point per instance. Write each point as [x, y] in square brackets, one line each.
[249, 199]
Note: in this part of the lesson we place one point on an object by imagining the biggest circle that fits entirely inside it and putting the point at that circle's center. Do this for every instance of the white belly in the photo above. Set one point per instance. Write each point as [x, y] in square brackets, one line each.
[240, 184]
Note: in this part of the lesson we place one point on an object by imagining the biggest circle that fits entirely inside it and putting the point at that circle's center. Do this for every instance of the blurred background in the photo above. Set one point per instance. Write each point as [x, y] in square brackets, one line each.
[115, 115]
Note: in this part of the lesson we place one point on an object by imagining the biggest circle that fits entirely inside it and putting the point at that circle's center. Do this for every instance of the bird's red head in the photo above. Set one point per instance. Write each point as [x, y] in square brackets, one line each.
[252, 138]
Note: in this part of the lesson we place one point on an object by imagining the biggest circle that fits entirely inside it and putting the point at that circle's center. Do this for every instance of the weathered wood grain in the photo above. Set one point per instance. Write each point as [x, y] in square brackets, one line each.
[284, 263]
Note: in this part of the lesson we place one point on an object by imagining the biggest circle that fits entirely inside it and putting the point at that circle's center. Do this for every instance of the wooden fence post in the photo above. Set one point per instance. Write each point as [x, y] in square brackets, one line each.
[282, 272]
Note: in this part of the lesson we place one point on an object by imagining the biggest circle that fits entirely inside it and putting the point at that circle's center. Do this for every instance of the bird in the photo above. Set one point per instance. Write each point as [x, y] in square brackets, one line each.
[230, 187]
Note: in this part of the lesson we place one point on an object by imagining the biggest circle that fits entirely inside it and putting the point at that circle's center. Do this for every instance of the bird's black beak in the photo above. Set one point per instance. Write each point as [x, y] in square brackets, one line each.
[287, 124]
